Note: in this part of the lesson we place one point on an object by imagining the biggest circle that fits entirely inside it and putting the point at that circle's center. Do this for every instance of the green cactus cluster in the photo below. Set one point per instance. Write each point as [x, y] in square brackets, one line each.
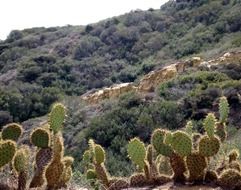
[181, 156]
[94, 158]
[51, 169]
[186, 154]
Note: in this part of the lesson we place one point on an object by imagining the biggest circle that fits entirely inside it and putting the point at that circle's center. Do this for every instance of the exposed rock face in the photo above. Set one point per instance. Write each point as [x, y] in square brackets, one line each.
[108, 92]
[150, 81]
[154, 78]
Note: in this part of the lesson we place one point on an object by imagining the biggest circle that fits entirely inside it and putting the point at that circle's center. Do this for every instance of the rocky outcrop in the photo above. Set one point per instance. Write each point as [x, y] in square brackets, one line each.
[108, 92]
[150, 81]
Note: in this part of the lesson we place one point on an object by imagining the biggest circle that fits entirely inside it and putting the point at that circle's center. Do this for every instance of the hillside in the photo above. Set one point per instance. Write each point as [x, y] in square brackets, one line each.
[41, 65]
[178, 61]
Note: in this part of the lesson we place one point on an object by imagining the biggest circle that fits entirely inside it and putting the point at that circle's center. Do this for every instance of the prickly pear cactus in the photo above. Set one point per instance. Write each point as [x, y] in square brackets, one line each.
[230, 179]
[196, 165]
[152, 165]
[158, 137]
[20, 165]
[102, 174]
[58, 146]
[223, 109]
[157, 140]
[7, 152]
[12, 131]
[42, 159]
[210, 124]
[53, 174]
[40, 137]
[179, 168]
[56, 117]
[137, 152]
[181, 143]
[21, 159]
[99, 154]
[209, 146]
[168, 138]
[221, 131]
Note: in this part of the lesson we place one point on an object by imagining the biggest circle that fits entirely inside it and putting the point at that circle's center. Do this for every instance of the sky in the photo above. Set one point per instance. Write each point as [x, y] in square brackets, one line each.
[21, 14]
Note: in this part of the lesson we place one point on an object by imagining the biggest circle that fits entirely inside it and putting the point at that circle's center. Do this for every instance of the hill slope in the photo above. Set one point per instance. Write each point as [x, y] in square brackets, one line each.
[40, 65]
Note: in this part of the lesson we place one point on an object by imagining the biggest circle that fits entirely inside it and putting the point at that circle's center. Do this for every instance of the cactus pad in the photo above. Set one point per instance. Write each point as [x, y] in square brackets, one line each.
[179, 168]
[21, 160]
[221, 131]
[53, 173]
[230, 179]
[56, 117]
[165, 150]
[58, 147]
[99, 154]
[12, 131]
[157, 140]
[40, 137]
[42, 159]
[87, 156]
[7, 152]
[137, 152]
[168, 138]
[209, 124]
[209, 146]
[223, 109]
[196, 165]
[181, 143]
[158, 137]
[102, 174]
